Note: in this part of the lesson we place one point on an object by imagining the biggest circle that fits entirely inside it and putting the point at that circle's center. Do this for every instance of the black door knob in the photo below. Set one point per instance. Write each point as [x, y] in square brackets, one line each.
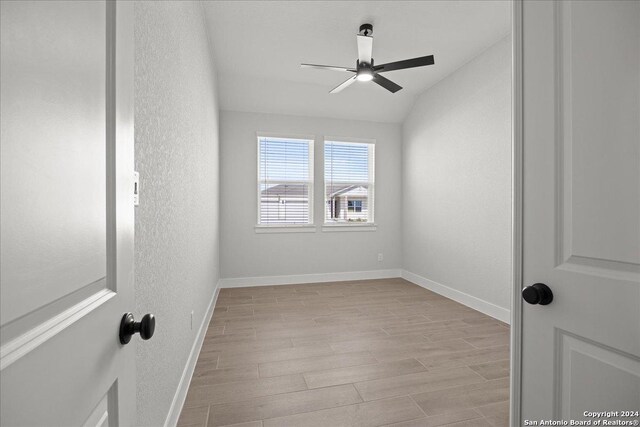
[538, 293]
[128, 327]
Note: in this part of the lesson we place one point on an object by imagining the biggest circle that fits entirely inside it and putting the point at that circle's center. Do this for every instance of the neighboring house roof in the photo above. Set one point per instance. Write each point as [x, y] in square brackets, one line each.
[299, 190]
[286, 190]
[348, 190]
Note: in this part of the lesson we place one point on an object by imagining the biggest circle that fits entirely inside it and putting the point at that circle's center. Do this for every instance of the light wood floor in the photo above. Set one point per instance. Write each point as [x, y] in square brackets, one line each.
[364, 353]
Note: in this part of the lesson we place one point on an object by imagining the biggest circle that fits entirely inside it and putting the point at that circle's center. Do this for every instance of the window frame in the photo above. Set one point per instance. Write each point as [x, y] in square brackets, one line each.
[280, 226]
[370, 224]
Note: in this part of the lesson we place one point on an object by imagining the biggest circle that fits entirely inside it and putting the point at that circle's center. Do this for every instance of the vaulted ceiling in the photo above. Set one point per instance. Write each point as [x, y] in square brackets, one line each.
[258, 47]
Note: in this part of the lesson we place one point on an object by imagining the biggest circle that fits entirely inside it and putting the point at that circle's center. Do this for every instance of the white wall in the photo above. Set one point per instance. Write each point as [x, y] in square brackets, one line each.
[457, 180]
[176, 149]
[246, 253]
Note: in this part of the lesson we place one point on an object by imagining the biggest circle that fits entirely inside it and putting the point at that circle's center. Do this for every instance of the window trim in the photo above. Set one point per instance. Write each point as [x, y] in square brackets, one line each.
[290, 228]
[370, 225]
[367, 226]
[310, 139]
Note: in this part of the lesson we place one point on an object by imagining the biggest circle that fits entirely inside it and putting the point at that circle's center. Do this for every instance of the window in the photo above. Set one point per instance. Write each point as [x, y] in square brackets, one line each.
[285, 181]
[354, 205]
[349, 182]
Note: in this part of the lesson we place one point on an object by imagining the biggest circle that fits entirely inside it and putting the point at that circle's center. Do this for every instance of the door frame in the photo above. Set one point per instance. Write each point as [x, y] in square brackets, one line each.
[515, 395]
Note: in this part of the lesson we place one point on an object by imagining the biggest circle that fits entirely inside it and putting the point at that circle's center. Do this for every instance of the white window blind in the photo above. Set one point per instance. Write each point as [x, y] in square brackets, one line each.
[285, 181]
[349, 182]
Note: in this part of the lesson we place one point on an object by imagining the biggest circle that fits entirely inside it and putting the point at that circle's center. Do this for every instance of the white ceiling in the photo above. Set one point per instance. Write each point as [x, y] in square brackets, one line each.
[258, 47]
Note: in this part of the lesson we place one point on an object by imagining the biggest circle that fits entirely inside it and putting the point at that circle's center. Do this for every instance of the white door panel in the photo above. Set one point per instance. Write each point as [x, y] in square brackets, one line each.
[67, 213]
[599, 132]
[52, 76]
[581, 214]
[594, 376]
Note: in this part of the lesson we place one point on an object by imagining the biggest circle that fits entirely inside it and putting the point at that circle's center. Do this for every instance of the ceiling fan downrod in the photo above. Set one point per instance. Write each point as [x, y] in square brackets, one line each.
[366, 30]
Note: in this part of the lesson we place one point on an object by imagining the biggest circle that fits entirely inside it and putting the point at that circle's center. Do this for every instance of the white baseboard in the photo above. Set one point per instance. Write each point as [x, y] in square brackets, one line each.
[187, 373]
[478, 304]
[241, 282]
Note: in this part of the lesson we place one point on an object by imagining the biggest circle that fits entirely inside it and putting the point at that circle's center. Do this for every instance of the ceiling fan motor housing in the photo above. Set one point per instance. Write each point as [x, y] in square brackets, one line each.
[366, 30]
[360, 65]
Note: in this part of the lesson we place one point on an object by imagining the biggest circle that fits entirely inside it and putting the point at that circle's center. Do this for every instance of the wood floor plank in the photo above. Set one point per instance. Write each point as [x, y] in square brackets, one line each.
[465, 358]
[245, 311]
[497, 414]
[417, 383]
[210, 357]
[309, 364]
[496, 340]
[338, 336]
[213, 394]
[247, 346]
[296, 332]
[266, 326]
[446, 314]
[479, 319]
[369, 414]
[355, 374]
[492, 370]
[441, 420]
[249, 424]
[214, 330]
[229, 316]
[228, 338]
[208, 374]
[282, 405]
[194, 416]
[479, 422]
[422, 351]
[250, 302]
[237, 359]
[463, 397]
[424, 327]
[361, 319]
[237, 325]
[271, 304]
[381, 343]
[471, 331]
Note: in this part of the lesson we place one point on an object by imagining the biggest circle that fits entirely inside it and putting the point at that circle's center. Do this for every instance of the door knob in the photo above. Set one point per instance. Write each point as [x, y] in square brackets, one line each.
[538, 293]
[128, 327]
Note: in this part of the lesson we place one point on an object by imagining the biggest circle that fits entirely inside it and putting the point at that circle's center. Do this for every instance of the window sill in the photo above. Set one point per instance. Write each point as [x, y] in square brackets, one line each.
[350, 227]
[285, 229]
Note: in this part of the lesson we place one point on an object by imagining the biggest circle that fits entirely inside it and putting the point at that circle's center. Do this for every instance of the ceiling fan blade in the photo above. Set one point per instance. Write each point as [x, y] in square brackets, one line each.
[386, 83]
[407, 63]
[327, 67]
[343, 85]
[365, 48]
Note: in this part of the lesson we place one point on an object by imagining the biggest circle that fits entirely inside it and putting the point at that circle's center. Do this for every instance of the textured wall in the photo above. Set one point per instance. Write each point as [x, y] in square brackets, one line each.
[247, 254]
[457, 179]
[176, 149]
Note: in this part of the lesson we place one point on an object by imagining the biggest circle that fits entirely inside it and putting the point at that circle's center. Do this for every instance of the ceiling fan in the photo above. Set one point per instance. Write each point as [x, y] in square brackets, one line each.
[365, 70]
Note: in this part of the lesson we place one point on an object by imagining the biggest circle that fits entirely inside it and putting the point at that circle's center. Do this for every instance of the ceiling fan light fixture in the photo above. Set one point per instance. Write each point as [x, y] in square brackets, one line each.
[364, 75]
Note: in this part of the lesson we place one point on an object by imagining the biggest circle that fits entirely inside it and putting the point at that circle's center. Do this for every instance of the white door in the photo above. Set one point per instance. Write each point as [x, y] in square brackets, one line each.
[66, 213]
[581, 208]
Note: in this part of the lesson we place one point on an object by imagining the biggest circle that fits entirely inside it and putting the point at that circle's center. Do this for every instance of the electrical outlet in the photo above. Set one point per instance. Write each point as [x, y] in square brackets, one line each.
[192, 320]
[380, 257]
